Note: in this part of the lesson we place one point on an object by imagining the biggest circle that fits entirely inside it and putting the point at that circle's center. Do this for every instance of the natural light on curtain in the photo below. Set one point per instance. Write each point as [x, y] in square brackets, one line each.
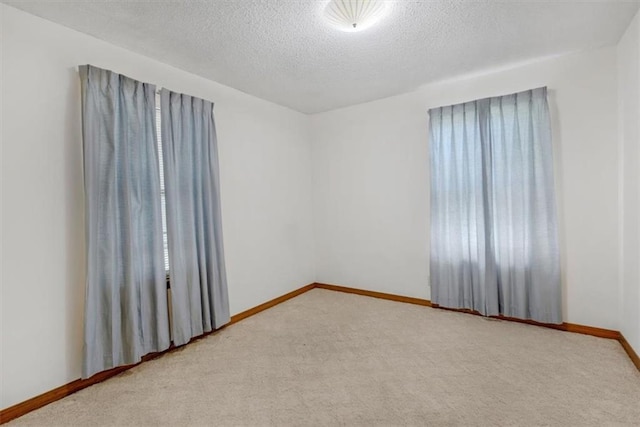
[494, 238]
[134, 151]
[199, 297]
[126, 311]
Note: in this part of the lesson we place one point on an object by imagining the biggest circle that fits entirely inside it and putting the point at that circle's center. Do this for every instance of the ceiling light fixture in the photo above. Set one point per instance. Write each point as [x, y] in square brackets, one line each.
[355, 15]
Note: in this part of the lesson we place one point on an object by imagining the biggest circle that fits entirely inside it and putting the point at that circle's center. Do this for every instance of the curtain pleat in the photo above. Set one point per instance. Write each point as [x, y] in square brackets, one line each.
[126, 314]
[198, 279]
[494, 237]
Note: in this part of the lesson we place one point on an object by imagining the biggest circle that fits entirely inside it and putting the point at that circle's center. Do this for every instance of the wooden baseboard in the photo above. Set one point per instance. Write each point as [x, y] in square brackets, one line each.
[51, 396]
[382, 295]
[591, 330]
[632, 354]
[65, 390]
[37, 402]
[567, 327]
[255, 310]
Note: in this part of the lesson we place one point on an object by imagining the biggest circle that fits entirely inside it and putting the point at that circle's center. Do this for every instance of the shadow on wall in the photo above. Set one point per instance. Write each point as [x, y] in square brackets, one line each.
[556, 132]
[74, 244]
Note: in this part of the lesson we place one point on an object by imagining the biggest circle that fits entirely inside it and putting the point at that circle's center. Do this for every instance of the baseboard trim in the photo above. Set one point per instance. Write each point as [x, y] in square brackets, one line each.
[58, 393]
[65, 390]
[567, 327]
[591, 330]
[381, 295]
[255, 310]
[635, 359]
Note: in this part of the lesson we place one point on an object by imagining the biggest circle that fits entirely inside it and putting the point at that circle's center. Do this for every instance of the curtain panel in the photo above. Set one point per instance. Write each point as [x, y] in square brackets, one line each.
[494, 237]
[199, 297]
[126, 310]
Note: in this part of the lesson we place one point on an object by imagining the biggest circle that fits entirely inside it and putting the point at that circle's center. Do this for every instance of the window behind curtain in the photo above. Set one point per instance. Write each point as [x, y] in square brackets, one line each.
[162, 193]
[494, 238]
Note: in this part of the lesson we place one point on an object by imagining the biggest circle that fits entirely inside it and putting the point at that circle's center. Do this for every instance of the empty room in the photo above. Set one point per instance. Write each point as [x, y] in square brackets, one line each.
[320, 212]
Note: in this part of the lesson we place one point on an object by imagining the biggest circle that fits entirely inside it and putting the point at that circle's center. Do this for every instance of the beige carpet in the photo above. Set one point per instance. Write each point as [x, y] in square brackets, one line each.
[328, 358]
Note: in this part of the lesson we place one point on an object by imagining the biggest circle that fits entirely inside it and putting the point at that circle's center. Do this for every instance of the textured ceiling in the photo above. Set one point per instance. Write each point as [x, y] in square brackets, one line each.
[283, 51]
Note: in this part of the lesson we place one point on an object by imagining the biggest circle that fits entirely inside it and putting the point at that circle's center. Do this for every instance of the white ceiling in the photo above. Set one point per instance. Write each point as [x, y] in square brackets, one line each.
[283, 51]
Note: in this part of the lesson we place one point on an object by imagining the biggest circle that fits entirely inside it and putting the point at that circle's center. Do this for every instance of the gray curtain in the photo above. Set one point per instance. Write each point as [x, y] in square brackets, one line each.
[494, 238]
[198, 279]
[126, 313]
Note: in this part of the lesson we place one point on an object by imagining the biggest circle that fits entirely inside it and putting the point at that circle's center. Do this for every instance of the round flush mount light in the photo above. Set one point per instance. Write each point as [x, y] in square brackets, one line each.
[355, 15]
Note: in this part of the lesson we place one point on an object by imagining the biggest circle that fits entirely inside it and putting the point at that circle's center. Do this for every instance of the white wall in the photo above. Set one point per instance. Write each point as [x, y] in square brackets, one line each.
[371, 182]
[629, 97]
[265, 180]
[366, 166]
